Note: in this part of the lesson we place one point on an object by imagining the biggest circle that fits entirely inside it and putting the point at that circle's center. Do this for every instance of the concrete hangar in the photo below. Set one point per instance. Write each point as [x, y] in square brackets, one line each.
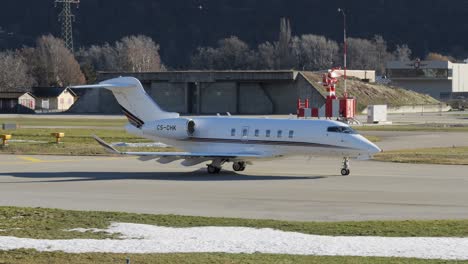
[442, 80]
[211, 92]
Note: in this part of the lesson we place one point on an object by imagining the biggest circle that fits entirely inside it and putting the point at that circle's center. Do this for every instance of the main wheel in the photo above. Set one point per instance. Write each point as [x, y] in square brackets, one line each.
[212, 169]
[345, 172]
[238, 166]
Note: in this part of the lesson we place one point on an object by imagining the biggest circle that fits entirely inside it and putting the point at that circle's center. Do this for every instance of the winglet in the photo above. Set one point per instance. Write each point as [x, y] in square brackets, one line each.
[108, 147]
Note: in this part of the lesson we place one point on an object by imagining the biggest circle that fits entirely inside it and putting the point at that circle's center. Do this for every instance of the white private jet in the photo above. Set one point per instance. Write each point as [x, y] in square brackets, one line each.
[222, 139]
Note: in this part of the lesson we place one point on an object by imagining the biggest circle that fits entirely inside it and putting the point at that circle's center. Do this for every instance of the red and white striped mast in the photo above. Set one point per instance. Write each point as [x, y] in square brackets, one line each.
[345, 49]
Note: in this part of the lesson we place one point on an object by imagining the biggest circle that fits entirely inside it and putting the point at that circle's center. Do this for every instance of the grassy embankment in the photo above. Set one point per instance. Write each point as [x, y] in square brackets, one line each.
[372, 93]
[53, 223]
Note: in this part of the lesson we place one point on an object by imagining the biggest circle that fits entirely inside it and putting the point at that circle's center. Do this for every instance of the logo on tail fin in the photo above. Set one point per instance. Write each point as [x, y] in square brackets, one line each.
[135, 121]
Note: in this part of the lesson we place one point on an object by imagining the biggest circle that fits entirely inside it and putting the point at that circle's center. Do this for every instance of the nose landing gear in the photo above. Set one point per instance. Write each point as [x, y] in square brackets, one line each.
[345, 169]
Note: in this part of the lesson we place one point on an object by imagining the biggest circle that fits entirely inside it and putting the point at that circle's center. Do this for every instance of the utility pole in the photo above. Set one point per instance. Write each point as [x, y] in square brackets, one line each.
[66, 17]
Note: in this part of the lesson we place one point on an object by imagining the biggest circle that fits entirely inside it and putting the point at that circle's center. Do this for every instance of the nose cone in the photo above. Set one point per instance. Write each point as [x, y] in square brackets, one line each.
[373, 148]
[369, 147]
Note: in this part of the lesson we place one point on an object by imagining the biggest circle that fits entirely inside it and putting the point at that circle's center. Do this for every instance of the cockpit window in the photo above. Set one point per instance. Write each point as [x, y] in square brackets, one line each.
[341, 129]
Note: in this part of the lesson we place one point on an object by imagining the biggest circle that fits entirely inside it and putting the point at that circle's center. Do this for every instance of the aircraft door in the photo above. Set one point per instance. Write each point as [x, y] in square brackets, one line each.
[245, 133]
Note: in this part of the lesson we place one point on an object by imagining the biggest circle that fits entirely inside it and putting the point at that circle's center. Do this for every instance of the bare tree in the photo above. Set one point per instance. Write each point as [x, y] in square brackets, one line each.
[361, 54]
[14, 74]
[314, 52]
[138, 54]
[267, 55]
[205, 58]
[102, 58]
[402, 53]
[231, 54]
[382, 54]
[52, 63]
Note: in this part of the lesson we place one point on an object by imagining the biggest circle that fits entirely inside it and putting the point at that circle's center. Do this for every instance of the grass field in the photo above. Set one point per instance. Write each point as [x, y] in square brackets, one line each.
[43, 121]
[31, 256]
[448, 156]
[76, 141]
[53, 223]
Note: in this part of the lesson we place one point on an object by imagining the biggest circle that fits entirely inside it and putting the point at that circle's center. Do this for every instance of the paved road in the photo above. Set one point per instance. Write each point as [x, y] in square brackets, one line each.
[293, 189]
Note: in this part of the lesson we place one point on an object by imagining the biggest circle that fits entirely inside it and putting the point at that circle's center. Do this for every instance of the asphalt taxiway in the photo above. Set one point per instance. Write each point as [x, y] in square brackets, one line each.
[290, 189]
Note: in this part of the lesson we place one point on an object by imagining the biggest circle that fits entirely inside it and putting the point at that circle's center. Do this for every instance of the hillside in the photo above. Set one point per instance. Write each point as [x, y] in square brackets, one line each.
[180, 26]
[371, 93]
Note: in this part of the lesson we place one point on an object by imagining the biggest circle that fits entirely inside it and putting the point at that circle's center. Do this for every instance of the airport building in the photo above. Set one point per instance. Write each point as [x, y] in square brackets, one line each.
[211, 92]
[442, 80]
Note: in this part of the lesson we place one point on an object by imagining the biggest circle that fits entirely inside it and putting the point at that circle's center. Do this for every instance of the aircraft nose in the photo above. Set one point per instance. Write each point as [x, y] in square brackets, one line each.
[373, 149]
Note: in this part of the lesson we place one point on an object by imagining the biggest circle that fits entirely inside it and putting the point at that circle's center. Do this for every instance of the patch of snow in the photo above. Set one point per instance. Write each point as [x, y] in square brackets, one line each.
[139, 238]
[83, 230]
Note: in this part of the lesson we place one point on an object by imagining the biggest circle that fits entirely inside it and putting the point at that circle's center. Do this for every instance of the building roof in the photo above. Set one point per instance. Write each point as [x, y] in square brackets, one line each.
[13, 95]
[49, 91]
[206, 76]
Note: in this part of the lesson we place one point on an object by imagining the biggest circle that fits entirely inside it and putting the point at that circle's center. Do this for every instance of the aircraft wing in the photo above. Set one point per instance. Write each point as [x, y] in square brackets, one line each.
[178, 155]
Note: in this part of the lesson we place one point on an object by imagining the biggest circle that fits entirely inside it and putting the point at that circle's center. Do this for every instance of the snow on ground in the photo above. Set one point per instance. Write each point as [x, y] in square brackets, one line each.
[139, 238]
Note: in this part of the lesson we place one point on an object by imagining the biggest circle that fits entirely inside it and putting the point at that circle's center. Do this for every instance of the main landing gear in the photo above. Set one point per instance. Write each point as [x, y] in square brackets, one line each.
[215, 166]
[345, 169]
[238, 166]
[213, 169]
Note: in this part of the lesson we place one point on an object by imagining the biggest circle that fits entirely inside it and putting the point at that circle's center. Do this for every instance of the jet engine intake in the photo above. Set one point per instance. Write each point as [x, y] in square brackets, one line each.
[177, 128]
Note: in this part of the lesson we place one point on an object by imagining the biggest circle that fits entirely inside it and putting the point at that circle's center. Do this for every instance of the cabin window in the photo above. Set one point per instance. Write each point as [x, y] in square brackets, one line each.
[341, 129]
[233, 132]
[291, 133]
[267, 133]
[244, 132]
[257, 132]
[280, 133]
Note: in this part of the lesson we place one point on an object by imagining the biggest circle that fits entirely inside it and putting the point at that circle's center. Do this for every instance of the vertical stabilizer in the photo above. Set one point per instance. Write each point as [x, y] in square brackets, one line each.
[136, 104]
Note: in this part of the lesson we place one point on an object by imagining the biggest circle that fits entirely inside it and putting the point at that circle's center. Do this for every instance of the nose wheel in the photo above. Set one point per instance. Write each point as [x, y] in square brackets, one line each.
[345, 169]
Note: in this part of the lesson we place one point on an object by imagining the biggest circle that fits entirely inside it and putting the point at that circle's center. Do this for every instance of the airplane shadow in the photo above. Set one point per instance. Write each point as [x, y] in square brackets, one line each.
[195, 176]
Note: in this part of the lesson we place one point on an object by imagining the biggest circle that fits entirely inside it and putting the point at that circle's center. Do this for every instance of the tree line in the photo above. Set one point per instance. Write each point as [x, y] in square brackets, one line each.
[50, 63]
[306, 52]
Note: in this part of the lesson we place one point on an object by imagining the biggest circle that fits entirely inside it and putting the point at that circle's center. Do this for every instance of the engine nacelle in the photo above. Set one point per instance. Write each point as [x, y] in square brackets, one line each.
[177, 128]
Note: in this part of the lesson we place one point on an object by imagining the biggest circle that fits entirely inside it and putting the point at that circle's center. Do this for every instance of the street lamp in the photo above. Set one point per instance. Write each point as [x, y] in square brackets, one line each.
[345, 49]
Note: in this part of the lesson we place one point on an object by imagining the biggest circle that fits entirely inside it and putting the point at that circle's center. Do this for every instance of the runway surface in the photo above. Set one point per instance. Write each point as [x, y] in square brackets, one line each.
[291, 189]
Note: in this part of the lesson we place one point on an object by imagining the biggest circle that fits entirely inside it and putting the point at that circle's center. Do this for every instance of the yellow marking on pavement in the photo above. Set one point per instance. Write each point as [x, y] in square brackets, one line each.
[30, 159]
